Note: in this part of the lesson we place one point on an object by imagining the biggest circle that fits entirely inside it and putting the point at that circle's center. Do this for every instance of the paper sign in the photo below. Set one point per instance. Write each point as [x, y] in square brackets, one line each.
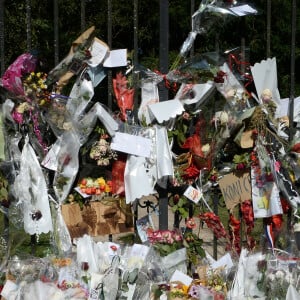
[138, 250]
[193, 194]
[8, 289]
[181, 277]
[98, 52]
[243, 10]
[165, 110]
[265, 200]
[116, 58]
[224, 261]
[235, 189]
[131, 144]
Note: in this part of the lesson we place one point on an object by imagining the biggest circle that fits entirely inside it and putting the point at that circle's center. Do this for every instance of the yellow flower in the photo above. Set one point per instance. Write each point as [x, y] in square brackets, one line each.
[185, 289]
[101, 181]
[107, 188]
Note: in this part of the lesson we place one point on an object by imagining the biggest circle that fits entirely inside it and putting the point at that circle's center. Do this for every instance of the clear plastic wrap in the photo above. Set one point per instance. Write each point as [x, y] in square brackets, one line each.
[67, 167]
[80, 96]
[31, 191]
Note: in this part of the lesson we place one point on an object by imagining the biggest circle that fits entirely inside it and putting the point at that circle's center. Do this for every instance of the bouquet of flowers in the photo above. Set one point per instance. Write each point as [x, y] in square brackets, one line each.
[92, 186]
[102, 152]
[165, 241]
[36, 89]
[169, 245]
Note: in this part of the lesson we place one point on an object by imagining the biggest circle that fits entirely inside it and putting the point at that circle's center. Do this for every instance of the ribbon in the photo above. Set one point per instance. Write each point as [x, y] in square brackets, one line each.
[170, 86]
[238, 63]
[269, 235]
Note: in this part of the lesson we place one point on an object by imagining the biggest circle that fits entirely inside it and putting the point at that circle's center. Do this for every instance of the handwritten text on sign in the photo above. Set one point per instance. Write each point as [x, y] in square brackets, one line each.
[235, 189]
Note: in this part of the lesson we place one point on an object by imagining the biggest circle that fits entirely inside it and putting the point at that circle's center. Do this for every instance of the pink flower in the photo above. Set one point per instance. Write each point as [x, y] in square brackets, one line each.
[18, 117]
[190, 223]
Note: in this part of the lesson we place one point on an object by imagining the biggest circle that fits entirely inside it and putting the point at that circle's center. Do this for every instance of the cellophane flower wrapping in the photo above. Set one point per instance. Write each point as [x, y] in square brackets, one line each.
[30, 190]
[61, 234]
[67, 166]
[169, 245]
[80, 96]
[132, 271]
[246, 277]
[278, 273]
[124, 95]
[58, 116]
[12, 77]
[151, 273]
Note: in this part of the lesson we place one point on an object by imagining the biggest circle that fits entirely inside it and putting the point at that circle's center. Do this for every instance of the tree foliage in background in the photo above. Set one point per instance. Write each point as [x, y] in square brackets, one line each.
[226, 35]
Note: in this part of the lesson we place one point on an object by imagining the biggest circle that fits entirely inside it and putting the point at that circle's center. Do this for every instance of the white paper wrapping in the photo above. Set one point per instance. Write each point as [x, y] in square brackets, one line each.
[149, 95]
[31, 191]
[166, 110]
[265, 77]
[141, 173]
[199, 91]
[245, 282]
[292, 293]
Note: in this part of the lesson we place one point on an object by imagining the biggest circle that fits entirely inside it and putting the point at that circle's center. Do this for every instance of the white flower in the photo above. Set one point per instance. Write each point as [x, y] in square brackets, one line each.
[67, 125]
[271, 277]
[205, 149]
[280, 274]
[266, 95]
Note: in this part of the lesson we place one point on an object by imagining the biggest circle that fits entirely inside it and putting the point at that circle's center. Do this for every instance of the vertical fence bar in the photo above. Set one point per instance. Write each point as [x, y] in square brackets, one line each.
[56, 43]
[268, 28]
[28, 24]
[136, 50]
[163, 95]
[82, 15]
[292, 83]
[2, 62]
[109, 41]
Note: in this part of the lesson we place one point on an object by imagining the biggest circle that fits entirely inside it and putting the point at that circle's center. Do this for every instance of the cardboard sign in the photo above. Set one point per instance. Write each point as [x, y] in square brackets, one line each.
[97, 219]
[235, 189]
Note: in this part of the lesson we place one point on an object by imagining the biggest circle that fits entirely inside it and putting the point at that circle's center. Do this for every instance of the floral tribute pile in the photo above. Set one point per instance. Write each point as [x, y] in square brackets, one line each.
[64, 148]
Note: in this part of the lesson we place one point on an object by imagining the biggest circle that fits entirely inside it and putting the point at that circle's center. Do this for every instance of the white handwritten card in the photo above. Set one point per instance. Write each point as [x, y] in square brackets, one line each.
[131, 144]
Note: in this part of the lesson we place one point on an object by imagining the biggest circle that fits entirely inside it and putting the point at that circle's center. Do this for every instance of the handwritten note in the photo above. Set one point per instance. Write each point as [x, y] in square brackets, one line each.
[235, 189]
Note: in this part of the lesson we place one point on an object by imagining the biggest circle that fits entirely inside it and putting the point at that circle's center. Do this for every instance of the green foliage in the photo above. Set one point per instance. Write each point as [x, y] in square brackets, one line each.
[225, 34]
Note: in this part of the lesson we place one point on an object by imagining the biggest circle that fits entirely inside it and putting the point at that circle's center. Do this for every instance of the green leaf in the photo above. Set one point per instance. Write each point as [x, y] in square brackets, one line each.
[183, 212]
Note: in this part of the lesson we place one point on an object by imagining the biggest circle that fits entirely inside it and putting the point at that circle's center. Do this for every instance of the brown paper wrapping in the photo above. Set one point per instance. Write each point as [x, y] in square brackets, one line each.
[97, 218]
